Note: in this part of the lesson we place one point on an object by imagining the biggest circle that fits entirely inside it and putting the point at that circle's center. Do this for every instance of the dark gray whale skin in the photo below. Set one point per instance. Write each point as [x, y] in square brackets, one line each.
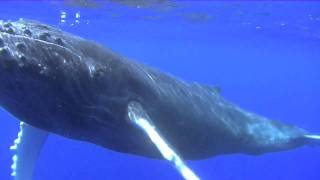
[76, 88]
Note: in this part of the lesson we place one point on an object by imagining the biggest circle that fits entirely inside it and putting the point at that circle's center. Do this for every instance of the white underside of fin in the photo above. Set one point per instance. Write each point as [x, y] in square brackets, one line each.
[26, 148]
[315, 137]
[140, 118]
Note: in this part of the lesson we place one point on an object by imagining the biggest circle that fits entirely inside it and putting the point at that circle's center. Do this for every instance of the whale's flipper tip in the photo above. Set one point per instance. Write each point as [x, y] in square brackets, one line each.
[313, 139]
[26, 149]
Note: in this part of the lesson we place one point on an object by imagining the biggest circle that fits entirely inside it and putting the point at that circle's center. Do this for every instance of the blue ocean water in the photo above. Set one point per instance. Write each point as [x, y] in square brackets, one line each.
[264, 56]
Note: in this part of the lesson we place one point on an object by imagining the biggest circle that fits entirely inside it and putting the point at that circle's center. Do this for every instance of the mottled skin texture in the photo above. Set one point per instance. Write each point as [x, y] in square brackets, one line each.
[78, 89]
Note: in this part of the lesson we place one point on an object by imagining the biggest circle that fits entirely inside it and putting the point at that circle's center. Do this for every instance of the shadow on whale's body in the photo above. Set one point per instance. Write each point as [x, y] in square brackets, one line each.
[56, 82]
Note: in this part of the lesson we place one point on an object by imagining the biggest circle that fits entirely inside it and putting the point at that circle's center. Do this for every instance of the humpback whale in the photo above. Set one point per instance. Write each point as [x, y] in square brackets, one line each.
[56, 82]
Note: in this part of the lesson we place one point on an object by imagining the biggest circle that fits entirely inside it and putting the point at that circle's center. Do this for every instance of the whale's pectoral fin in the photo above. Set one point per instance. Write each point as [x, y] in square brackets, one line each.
[140, 118]
[313, 139]
[26, 148]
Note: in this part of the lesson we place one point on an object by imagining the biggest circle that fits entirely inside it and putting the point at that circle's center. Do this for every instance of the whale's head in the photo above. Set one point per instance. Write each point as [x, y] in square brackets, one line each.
[43, 71]
[63, 84]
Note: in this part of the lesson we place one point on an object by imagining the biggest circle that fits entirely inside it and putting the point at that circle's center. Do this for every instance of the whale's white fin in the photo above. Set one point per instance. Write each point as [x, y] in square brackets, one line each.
[26, 148]
[314, 139]
[140, 118]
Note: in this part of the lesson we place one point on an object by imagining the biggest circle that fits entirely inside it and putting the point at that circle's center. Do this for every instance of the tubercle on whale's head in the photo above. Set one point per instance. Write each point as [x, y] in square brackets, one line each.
[36, 62]
[28, 44]
[44, 49]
